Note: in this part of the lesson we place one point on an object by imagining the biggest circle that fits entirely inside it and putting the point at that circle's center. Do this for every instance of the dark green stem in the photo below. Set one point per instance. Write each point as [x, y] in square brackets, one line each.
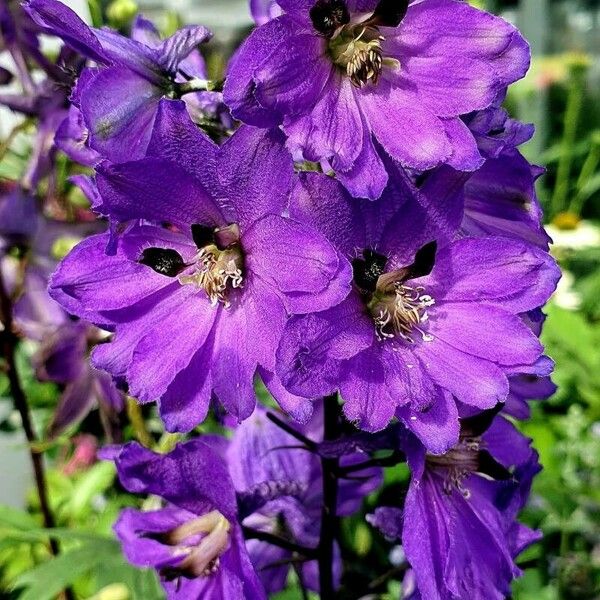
[9, 346]
[329, 519]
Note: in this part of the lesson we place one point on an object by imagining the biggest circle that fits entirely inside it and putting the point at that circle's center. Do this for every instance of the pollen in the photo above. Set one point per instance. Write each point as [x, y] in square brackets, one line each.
[400, 312]
[458, 463]
[357, 50]
[218, 267]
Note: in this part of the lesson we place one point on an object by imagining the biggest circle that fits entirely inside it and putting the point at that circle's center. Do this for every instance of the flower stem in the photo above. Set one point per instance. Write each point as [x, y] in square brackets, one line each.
[136, 418]
[329, 520]
[9, 345]
[310, 445]
[569, 137]
[276, 540]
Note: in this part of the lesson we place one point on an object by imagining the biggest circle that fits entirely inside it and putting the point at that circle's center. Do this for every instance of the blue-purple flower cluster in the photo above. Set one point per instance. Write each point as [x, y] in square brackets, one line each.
[359, 233]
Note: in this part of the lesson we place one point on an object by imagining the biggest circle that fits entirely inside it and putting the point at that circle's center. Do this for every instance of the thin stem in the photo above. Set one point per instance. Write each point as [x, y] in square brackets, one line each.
[392, 460]
[9, 345]
[569, 136]
[301, 584]
[276, 540]
[136, 418]
[288, 429]
[392, 573]
[587, 170]
[329, 520]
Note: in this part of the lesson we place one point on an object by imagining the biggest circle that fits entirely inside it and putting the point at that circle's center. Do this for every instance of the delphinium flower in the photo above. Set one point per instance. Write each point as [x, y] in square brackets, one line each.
[500, 199]
[458, 526]
[119, 99]
[63, 344]
[335, 74]
[259, 456]
[533, 384]
[18, 35]
[430, 321]
[195, 540]
[199, 305]
[44, 85]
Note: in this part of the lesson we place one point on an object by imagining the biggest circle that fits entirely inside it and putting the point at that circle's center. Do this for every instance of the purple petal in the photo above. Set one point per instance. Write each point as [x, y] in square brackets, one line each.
[176, 138]
[179, 46]
[240, 87]
[167, 349]
[233, 366]
[119, 108]
[421, 142]
[145, 189]
[63, 22]
[367, 401]
[255, 171]
[192, 476]
[497, 271]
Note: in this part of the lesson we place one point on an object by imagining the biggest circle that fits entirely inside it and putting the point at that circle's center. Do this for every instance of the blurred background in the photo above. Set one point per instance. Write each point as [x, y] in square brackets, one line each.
[561, 95]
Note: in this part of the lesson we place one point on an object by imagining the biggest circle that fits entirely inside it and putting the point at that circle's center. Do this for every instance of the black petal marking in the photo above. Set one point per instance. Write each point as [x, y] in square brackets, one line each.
[478, 424]
[424, 261]
[203, 235]
[368, 269]
[328, 15]
[389, 13]
[165, 261]
[489, 466]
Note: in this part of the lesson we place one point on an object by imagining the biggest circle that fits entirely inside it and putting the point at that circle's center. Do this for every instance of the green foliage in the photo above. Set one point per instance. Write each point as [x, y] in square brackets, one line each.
[88, 562]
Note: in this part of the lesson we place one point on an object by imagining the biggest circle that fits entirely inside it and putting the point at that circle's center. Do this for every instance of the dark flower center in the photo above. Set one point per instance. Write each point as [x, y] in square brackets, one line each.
[355, 41]
[458, 463]
[328, 15]
[469, 455]
[397, 308]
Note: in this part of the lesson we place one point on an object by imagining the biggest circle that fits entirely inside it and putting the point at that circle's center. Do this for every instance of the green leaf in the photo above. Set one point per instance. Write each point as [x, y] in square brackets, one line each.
[95, 481]
[15, 518]
[47, 580]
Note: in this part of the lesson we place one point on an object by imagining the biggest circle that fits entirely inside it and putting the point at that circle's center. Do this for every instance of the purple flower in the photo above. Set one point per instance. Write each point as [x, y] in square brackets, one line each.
[119, 100]
[62, 355]
[195, 542]
[261, 455]
[495, 131]
[19, 219]
[534, 384]
[500, 200]
[198, 306]
[459, 528]
[336, 74]
[264, 10]
[47, 101]
[426, 324]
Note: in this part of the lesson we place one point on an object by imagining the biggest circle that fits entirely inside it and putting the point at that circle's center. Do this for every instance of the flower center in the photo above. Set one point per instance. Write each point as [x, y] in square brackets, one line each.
[357, 50]
[459, 462]
[200, 558]
[398, 311]
[397, 308]
[218, 266]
